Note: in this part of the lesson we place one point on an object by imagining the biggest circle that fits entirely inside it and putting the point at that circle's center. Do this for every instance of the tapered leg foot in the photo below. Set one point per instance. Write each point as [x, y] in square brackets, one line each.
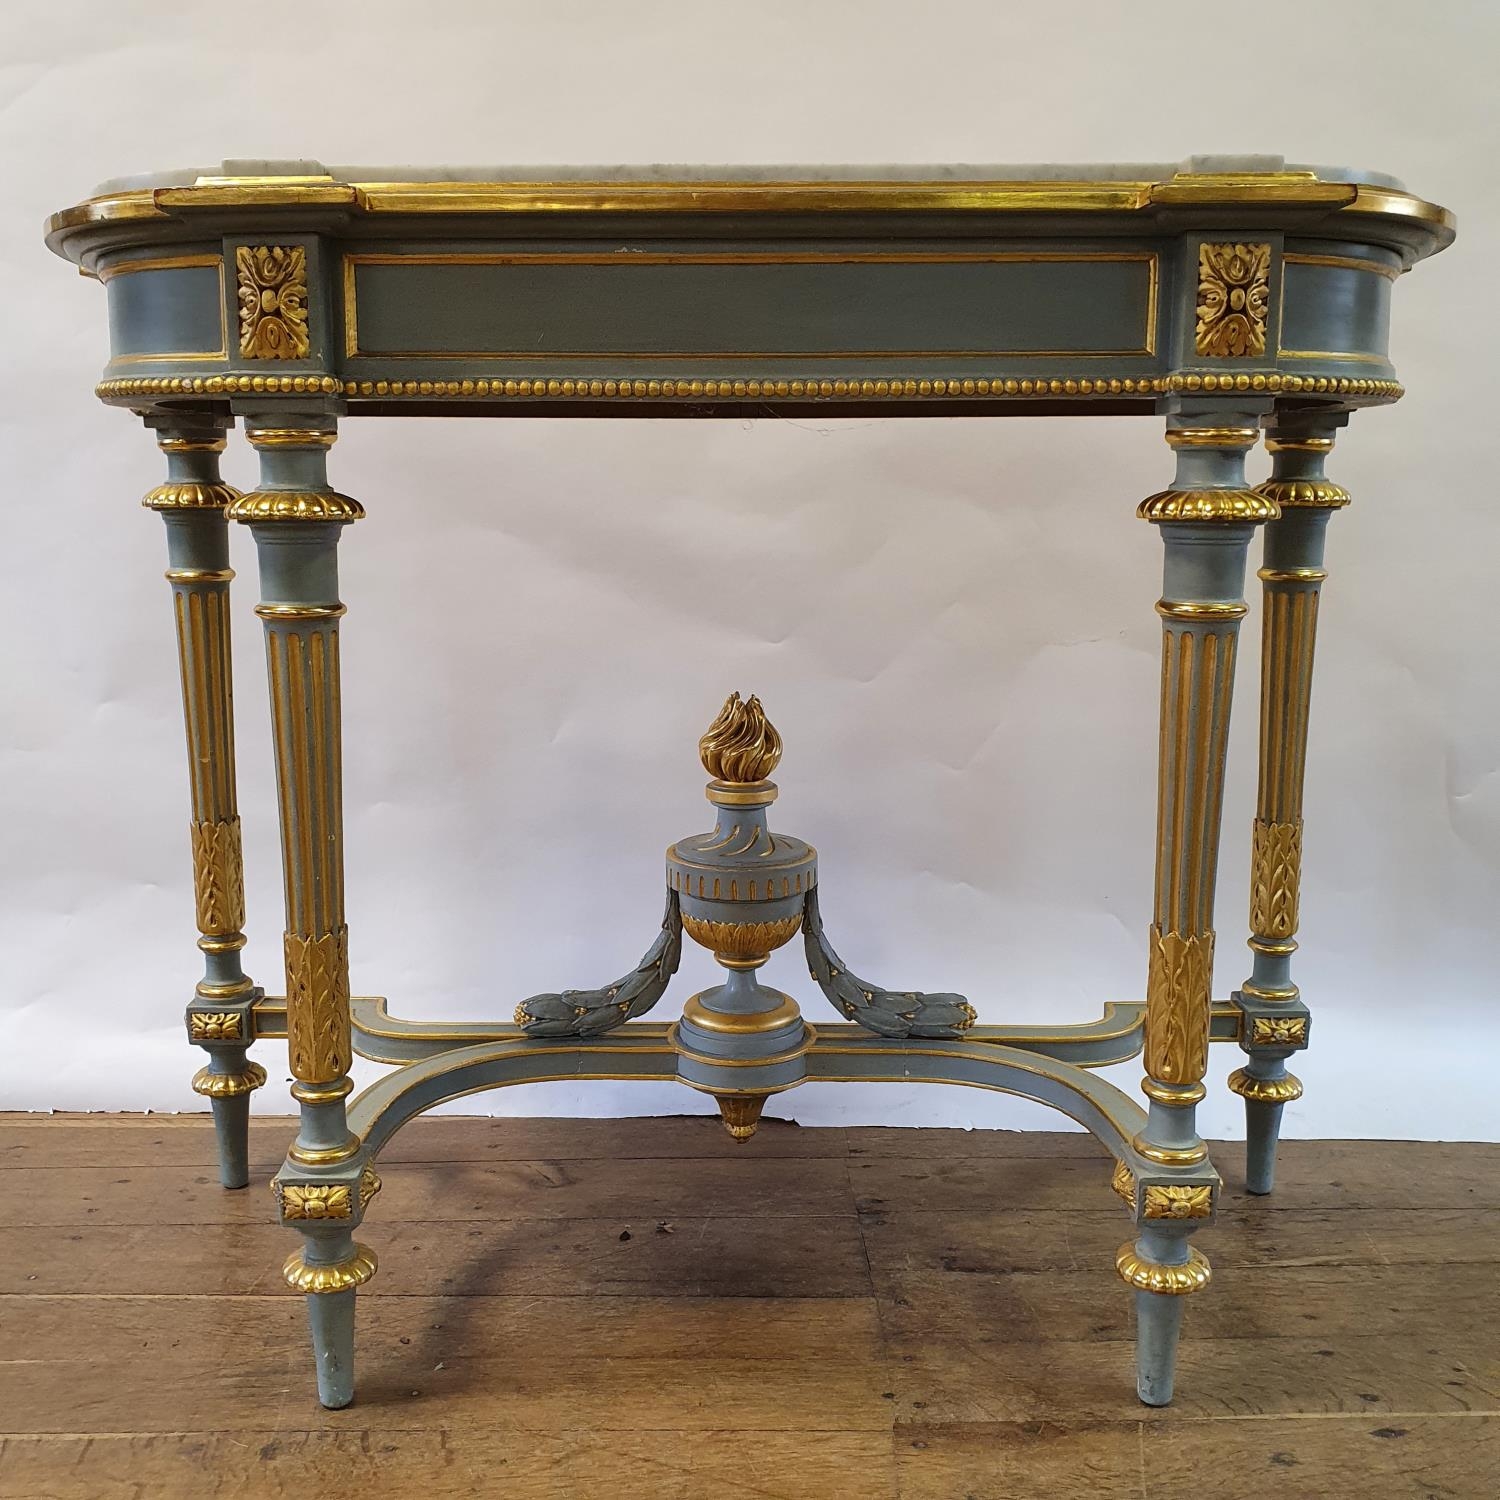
[232, 1129]
[1262, 1132]
[329, 1268]
[1162, 1269]
[331, 1316]
[227, 1083]
[1267, 1088]
[1158, 1322]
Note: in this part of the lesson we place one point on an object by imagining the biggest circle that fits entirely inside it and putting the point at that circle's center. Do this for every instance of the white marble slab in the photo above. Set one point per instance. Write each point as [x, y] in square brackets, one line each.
[803, 172]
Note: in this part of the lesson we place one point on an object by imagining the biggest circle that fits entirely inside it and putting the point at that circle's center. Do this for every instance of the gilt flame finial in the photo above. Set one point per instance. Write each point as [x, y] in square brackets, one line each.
[741, 746]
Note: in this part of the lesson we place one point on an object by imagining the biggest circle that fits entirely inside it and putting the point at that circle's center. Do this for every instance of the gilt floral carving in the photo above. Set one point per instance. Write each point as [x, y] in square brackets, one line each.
[272, 284]
[1234, 296]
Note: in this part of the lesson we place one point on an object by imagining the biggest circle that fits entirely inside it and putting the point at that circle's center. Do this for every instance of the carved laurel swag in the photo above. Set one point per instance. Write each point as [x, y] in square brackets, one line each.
[1276, 872]
[592, 1012]
[1234, 296]
[1177, 1006]
[317, 1012]
[271, 282]
[885, 1012]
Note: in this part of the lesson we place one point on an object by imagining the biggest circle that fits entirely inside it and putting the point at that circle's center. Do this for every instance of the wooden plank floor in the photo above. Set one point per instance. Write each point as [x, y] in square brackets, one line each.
[623, 1308]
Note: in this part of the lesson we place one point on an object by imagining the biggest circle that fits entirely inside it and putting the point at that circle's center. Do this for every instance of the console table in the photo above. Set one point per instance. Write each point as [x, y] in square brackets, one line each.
[1228, 296]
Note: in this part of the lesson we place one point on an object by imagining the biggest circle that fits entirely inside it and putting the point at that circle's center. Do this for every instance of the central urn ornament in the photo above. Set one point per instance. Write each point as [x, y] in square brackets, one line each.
[742, 890]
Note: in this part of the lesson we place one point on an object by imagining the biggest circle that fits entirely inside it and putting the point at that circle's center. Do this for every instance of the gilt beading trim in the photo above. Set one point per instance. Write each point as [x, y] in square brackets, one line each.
[698, 388]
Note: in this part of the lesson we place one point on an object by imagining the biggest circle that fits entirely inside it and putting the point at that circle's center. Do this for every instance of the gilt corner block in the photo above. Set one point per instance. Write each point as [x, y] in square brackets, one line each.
[1232, 299]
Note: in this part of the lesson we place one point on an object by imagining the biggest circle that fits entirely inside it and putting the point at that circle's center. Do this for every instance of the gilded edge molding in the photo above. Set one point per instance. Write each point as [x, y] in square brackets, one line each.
[717, 387]
[216, 1026]
[1201, 189]
[1172, 1281]
[1178, 1201]
[342, 1276]
[1278, 1031]
[1253, 1090]
[271, 285]
[1234, 298]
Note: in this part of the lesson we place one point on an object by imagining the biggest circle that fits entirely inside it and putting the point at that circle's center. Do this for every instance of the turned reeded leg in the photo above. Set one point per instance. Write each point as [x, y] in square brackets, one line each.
[297, 520]
[1206, 522]
[1275, 1019]
[220, 1017]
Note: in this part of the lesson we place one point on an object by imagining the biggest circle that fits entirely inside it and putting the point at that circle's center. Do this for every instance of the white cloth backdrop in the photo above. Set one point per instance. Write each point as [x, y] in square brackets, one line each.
[950, 621]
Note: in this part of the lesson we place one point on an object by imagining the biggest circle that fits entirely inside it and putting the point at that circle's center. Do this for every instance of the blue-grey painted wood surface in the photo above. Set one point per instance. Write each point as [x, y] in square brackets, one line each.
[1235, 295]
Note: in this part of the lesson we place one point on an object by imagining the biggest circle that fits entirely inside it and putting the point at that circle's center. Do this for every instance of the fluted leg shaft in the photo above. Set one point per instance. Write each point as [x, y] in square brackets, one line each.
[297, 520]
[1206, 520]
[220, 1016]
[1275, 1018]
